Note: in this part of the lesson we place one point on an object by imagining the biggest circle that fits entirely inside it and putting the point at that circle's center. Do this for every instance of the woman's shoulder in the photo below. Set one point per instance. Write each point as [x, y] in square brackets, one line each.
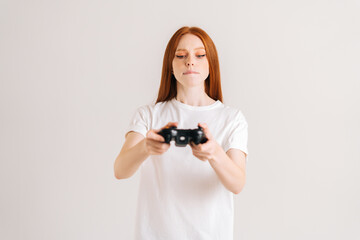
[150, 107]
[232, 111]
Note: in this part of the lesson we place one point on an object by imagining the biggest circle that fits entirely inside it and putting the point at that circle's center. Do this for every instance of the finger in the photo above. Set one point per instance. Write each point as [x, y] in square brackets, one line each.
[170, 124]
[154, 136]
[194, 146]
[173, 124]
[200, 155]
[202, 158]
[206, 130]
[153, 143]
[159, 137]
[157, 146]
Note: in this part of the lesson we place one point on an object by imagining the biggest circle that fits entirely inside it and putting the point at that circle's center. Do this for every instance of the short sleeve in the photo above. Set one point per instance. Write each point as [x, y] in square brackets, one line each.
[139, 121]
[238, 134]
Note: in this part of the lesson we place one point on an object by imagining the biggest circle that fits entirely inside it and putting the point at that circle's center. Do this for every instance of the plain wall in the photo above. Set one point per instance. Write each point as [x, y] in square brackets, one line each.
[73, 72]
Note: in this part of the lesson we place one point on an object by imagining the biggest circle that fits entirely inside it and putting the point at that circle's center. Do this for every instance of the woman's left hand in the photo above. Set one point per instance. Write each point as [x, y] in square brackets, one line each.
[208, 150]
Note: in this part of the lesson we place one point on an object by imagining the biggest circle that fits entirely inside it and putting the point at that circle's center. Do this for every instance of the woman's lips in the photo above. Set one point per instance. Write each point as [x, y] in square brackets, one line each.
[190, 72]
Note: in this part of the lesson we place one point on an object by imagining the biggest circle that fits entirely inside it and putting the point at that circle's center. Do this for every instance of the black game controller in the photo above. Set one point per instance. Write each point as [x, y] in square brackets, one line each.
[183, 136]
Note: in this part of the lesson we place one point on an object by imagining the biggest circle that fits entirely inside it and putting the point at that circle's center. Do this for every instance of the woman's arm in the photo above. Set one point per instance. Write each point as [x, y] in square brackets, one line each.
[131, 156]
[229, 167]
[137, 149]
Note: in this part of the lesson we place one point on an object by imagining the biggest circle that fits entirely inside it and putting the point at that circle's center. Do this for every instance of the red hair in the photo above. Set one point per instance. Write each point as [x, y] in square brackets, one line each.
[168, 89]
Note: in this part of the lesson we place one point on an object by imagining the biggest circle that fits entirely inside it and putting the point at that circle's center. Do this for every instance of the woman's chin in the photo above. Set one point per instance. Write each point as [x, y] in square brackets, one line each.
[192, 83]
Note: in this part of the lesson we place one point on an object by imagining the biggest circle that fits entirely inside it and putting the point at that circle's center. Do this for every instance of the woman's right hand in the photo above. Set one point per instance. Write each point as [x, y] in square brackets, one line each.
[155, 143]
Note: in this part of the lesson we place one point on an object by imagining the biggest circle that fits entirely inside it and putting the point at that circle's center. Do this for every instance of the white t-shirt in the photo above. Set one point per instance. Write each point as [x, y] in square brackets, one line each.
[180, 197]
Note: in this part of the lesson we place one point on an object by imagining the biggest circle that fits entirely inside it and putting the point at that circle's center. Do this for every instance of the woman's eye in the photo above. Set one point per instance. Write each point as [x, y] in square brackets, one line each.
[184, 56]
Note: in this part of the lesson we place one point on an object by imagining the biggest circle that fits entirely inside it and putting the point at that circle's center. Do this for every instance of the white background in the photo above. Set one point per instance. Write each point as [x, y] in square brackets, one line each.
[73, 72]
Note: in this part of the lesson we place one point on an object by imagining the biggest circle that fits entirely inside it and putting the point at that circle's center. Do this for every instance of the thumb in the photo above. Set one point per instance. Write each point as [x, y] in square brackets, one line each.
[152, 134]
[170, 124]
[206, 130]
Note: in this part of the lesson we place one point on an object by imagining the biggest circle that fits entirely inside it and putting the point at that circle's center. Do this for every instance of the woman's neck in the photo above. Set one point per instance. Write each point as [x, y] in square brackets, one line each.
[195, 100]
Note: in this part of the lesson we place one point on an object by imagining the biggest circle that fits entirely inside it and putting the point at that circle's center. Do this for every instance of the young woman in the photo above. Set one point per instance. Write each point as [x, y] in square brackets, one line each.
[186, 192]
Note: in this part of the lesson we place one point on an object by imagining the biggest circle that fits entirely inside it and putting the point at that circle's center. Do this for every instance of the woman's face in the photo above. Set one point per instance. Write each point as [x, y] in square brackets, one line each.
[190, 64]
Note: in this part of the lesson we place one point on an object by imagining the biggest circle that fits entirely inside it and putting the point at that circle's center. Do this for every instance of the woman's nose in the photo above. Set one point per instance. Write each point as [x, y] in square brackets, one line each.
[189, 61]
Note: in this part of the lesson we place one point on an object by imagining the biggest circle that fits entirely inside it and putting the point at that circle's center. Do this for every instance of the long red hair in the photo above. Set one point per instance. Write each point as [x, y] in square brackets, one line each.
[168, 90]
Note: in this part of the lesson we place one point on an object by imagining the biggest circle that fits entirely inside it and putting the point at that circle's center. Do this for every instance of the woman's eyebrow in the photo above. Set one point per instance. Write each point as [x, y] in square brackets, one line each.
[186, 50]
